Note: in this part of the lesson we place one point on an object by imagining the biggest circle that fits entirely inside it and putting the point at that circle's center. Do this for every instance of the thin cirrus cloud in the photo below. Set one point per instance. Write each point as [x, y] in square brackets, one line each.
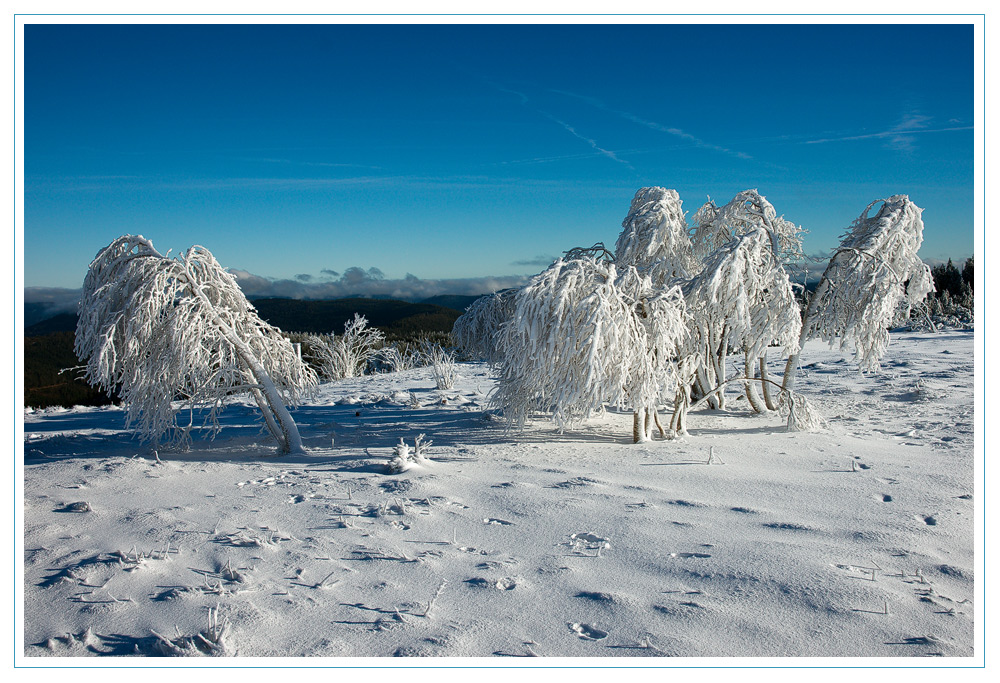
[597, 148]
[653, 125]
[899, 137]
[541, 261]
[525, 100]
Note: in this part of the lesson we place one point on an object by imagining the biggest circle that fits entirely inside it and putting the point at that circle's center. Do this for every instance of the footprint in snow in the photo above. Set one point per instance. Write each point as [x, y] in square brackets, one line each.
[589, 541]
[505, 584]
[596, 596]
[81, 506]
[587, 631]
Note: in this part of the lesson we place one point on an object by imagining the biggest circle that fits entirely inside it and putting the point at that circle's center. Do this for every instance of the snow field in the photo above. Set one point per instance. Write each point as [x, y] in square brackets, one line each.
[738, 540]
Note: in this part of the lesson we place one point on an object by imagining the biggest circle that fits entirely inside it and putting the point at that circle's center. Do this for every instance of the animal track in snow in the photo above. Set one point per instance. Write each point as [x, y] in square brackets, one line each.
[686, 503]
[574, 482]
[596, 596]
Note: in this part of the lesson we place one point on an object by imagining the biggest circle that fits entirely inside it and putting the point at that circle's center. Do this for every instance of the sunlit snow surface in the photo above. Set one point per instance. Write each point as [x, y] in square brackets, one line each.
[739, 540]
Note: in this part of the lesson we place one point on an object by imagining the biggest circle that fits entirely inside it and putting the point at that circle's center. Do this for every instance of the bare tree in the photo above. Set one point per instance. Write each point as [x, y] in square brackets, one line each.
[155, 329]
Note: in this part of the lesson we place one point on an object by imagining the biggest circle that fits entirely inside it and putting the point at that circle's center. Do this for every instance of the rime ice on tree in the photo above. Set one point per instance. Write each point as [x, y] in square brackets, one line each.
[874, 277]
[154, 329]
[585, 334]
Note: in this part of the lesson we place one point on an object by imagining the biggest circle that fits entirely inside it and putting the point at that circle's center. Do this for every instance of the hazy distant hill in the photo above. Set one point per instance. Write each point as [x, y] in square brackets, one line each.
[44, 385]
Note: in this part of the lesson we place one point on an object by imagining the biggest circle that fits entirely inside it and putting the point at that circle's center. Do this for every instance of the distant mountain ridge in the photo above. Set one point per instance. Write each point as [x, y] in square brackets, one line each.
[324, 317]
[301, 315]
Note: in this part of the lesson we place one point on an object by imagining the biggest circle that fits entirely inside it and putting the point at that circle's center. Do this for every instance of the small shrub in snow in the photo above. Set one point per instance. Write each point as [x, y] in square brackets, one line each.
[404, 457]
[392, 359]
[213, 641]
[802, 416]
[347, 355]
[441, 362]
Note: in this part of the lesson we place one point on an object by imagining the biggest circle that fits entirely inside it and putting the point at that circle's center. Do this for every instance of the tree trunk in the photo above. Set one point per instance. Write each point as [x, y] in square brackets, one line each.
[656, 419]
[704, 385]
[641, 425]
[280, 421]
[765, 384]
[678, 421]
[751, 391]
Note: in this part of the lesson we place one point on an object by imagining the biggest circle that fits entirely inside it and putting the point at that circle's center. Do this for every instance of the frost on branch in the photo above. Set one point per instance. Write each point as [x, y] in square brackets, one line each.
[155, 329]
[714, 227]
[585, 334]
[477, 330]
[743, 299]
[873, 279]
[654, 237]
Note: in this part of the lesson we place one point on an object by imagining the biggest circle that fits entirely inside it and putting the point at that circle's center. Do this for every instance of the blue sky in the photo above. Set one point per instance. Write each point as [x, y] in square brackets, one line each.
[296, 153]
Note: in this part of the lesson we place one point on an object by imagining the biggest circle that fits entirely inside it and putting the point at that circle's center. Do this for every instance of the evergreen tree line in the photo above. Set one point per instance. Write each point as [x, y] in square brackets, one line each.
[953, 298]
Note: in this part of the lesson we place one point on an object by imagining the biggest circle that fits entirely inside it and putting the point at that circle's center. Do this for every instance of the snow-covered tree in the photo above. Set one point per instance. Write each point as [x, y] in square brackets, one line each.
[585, 334]
[742, 291]
[654, 237]
[476, 330]
[154, 329]
[873, 278]
[346, 355]
[741, 301]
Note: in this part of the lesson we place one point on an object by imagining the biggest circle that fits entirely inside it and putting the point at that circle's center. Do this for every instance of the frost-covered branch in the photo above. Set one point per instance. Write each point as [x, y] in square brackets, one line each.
[654, 237]
[476, 331]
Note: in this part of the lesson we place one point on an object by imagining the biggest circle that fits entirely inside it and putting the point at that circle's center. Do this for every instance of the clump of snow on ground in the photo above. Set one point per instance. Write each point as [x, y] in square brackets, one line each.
[741, 539]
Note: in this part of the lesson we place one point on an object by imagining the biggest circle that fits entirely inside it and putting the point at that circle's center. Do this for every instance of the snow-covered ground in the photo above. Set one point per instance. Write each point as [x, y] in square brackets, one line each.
[739, 540]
